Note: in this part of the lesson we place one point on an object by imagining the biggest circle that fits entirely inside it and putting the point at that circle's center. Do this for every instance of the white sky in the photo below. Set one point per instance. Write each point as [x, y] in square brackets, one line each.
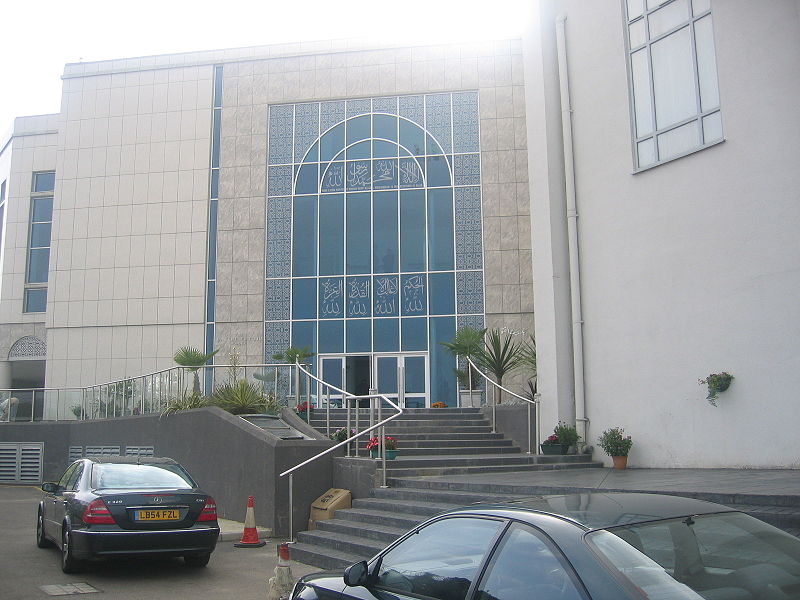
[39, 37]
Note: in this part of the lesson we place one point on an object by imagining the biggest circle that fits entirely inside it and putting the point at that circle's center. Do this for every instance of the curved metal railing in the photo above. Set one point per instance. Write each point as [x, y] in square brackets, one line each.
[139, 395]
[376, 401]
[530, 403]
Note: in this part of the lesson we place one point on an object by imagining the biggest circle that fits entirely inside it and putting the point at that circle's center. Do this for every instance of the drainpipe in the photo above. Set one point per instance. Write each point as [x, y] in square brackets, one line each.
[572, 232]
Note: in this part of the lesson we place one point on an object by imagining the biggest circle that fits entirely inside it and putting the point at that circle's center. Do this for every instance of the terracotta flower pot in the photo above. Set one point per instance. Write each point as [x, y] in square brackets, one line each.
[620, 462]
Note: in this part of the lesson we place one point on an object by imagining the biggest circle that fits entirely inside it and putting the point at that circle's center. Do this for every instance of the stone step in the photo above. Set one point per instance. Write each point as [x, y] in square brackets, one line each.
[349, 544]
[406, 462]
[778, 510]
[432, 413]
[410, 450]
[375, 516]
[427, 427]
[447, 497]
[383, 534]
[440, 471]
[414, 442]
[421, 509]
[322, 557]
[403, 423]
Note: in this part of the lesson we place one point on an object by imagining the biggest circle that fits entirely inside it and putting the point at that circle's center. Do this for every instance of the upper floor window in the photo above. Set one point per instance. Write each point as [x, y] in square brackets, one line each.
[36, 275]
[673, 77]
[44, 182]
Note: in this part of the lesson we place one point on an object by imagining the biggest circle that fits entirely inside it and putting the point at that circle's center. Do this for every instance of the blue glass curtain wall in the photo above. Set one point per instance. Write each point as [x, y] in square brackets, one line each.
[374, 239]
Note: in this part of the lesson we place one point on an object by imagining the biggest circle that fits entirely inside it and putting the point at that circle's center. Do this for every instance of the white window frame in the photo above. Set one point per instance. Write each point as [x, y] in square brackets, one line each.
[701, 118]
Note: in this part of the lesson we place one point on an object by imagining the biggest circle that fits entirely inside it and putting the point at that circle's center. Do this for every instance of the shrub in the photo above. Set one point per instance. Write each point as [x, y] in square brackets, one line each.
[614, 442]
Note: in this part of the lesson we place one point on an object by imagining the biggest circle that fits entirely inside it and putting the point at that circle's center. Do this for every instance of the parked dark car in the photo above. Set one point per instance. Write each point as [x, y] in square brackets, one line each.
[596, 546]
[123, 506]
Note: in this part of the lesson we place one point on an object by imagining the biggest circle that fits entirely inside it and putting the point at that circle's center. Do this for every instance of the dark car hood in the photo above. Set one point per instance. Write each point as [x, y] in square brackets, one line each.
[330, 580]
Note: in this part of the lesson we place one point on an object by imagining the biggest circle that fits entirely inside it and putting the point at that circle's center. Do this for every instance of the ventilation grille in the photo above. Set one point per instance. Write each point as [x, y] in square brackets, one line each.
[21, 463]
[75, 452]
[102, 450]
[139, 451]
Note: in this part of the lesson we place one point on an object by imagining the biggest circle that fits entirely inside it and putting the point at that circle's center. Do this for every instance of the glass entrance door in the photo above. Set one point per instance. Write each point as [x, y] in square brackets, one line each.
[357, 374]
[408, 369]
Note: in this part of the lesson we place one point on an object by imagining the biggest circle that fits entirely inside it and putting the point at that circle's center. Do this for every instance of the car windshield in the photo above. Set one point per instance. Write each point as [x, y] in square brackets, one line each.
[725, 556]
[123, 476]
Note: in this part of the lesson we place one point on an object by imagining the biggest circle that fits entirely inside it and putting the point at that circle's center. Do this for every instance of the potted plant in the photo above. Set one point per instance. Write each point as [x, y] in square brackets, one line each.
[374, 447]
[561, 440]
[716, 382]
[616, 444]
[304, 409]
[342, 434]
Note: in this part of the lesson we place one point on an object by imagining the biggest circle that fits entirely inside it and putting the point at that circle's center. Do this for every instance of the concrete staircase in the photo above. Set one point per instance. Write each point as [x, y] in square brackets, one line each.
[362, 531]
[431, 442]
[450, 441]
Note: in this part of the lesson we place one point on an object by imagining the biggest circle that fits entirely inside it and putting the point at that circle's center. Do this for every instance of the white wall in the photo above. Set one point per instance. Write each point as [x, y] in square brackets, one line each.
[127, 285]
[690, 267]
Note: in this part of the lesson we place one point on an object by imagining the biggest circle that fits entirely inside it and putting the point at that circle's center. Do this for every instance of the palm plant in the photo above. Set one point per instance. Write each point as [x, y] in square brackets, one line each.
[294, 355]
[185, 401]
[467, 343]
[192, 359]
[500, 355]
[240, 398]
[528, 359]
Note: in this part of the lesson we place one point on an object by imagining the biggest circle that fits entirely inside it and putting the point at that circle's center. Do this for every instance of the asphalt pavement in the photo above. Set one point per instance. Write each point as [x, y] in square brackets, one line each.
[29, 573]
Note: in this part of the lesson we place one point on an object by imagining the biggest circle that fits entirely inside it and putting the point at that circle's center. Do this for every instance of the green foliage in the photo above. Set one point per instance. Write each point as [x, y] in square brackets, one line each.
[499, 356]
[293, 355]
[614, 442]
[342, 434]
[527, 355]
[192, 359]
[185, 401]
[566, 434]
[467, 342]
[240, 398]
[716, 382]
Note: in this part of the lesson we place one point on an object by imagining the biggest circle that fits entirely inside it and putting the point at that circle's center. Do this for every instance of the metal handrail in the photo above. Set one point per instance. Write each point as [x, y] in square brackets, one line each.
[529, 402]
[166, 380]
[380, 425]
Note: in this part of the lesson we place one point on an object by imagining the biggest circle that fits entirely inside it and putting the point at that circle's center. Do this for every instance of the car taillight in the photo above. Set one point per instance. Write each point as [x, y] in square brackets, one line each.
[209, 512]
[97, 513]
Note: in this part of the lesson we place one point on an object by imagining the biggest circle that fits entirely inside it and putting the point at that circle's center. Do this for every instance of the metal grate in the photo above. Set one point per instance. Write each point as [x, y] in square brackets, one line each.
[21, 463]
[102, 451]
[139, 451]
[75, 452]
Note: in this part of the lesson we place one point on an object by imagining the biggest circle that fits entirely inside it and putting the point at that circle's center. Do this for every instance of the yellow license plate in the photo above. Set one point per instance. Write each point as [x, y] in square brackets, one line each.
[158, 515]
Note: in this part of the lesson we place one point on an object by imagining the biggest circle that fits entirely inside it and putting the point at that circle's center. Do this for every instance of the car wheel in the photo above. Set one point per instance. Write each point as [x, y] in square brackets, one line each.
[197, 560]
[69, 564]
[41, 540]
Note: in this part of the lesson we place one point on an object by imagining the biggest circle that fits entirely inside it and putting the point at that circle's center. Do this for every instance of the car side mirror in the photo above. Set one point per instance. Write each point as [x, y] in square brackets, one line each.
[50, 488]
[356, 575]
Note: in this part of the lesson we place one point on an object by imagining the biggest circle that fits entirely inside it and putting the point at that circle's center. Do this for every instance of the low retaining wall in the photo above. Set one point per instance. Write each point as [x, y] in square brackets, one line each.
[512, 421]
[229, 457]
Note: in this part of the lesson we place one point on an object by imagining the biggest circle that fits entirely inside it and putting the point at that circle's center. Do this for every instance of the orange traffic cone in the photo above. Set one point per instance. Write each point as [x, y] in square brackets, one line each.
[250, 534]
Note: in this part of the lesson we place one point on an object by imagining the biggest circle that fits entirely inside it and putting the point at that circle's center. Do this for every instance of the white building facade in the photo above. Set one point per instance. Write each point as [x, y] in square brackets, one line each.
[688, 257]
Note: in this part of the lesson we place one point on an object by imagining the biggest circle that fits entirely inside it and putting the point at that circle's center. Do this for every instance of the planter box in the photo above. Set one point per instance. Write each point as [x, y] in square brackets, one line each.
[554, 449]
[390, 454]
[470, 399]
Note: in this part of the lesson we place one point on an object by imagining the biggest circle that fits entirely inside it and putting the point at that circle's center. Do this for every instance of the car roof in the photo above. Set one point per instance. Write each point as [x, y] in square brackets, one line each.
[600, 510]
[132, 460]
